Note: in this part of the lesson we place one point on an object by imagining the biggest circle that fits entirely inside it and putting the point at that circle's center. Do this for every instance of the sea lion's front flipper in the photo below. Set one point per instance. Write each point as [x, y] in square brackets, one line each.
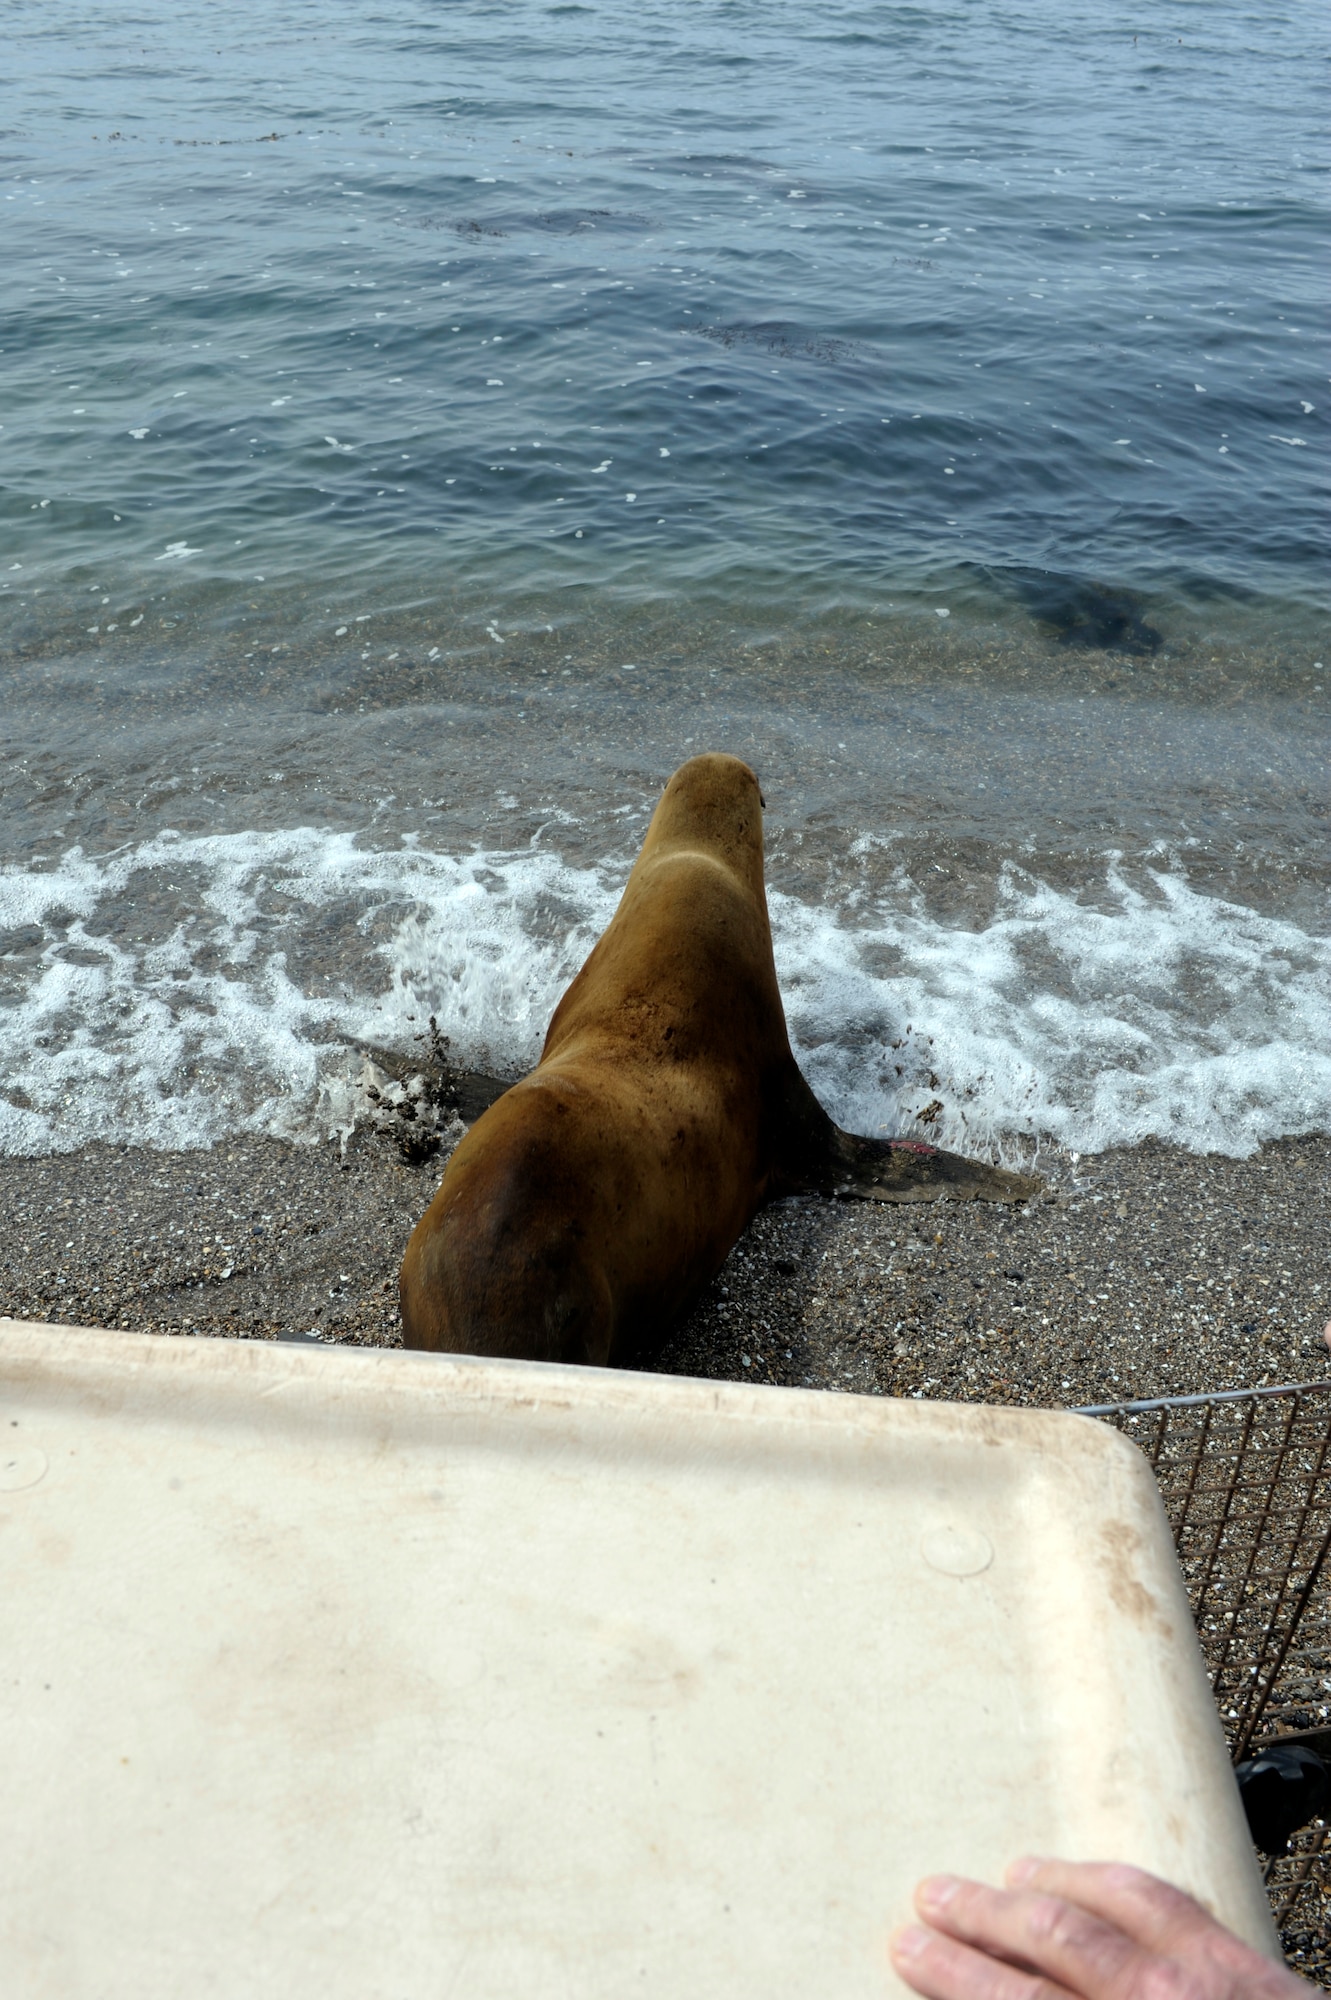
[910, 1170]
[817, 1157]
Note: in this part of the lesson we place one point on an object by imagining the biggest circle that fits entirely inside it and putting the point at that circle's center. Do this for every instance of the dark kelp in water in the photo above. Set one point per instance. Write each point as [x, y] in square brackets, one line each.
[789, 343]
[1099, 617]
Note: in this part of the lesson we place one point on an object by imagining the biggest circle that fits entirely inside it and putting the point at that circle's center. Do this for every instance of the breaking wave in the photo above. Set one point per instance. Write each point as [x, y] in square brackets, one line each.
[189, 988]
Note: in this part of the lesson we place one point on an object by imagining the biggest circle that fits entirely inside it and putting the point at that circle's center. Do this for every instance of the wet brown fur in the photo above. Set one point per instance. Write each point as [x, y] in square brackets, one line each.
[590, 1204]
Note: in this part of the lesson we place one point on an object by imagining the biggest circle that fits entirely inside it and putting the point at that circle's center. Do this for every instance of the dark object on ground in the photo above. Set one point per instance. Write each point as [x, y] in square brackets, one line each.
[414, 1110]
[1282, 1788]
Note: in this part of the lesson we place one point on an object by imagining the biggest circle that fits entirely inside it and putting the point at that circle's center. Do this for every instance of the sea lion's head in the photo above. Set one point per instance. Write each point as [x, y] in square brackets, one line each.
[713, 806]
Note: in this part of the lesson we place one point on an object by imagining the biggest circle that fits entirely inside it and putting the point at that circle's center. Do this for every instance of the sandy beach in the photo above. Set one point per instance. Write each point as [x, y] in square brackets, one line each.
[1138, 1273]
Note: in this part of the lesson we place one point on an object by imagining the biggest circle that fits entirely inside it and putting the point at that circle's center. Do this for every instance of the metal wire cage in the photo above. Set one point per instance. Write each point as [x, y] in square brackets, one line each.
[1245, 1476]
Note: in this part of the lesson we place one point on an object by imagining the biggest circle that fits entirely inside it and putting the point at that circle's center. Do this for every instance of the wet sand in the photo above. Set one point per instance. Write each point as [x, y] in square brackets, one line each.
[1139, 1273]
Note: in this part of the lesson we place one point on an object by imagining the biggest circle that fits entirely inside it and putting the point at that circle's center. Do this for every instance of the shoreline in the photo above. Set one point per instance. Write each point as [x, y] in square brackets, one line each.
[1139, 1272]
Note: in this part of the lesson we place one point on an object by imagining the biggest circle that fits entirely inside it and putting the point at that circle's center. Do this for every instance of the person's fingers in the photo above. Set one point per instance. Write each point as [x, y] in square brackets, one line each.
[1069, 1947]
[941, 1969]
[1168, 1924]
[1152, 1912]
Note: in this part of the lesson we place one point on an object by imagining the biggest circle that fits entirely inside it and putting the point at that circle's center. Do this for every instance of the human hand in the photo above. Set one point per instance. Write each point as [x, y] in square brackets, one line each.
[1065, 1930]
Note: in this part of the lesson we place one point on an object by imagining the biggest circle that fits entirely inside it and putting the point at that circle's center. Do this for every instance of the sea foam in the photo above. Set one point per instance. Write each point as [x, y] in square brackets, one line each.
[189, 988]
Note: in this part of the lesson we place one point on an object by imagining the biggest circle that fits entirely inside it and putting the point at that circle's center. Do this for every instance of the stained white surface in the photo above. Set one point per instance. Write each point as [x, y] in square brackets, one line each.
[362, 1674]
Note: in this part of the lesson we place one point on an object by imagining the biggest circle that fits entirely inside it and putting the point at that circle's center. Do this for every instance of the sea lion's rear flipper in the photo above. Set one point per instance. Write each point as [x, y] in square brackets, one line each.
[909, 1170]
[474, 1092]
[817, 1157]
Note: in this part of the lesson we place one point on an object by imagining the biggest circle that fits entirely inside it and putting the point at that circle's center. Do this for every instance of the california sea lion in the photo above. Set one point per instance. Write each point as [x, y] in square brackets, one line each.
[588, 1206]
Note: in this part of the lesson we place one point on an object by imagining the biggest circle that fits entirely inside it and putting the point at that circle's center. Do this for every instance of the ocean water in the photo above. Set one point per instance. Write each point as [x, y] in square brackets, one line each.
[426, 426]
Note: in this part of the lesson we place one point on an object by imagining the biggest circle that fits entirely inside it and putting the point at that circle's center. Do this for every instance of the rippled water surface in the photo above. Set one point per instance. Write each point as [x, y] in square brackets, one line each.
[425, 426]
[839, 297]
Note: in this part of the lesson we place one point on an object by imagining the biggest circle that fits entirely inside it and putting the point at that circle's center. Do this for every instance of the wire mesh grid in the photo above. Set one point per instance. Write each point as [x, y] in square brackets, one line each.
[1245, 1476]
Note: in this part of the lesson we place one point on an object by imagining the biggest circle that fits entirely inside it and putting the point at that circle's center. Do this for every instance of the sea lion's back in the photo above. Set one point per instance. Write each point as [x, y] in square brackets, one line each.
[684, 970]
